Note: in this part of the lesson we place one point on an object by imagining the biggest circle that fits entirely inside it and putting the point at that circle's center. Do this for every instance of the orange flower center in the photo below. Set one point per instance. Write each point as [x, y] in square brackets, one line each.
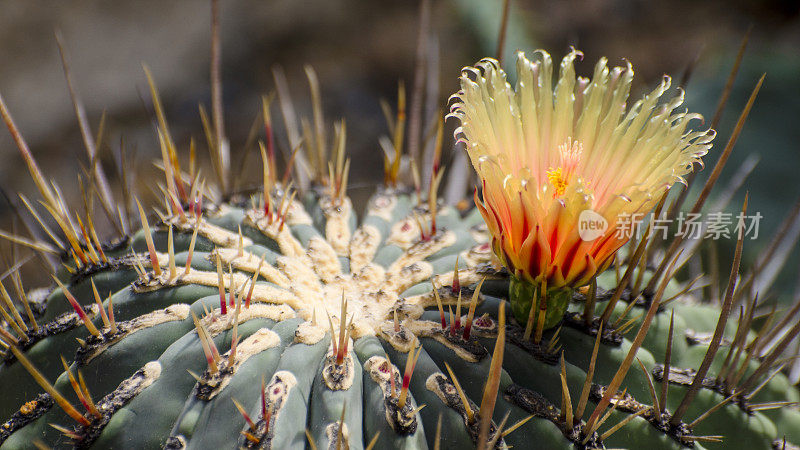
[569, 154]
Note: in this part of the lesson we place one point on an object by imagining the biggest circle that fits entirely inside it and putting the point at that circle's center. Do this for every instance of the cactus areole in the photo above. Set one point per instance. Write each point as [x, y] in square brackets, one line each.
[276, 319]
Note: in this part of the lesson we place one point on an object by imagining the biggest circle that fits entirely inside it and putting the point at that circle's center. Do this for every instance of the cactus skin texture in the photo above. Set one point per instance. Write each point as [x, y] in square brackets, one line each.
[277, 320]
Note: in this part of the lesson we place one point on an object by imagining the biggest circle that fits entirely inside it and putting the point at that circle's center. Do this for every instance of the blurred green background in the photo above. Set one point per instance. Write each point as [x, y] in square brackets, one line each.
[360, 49]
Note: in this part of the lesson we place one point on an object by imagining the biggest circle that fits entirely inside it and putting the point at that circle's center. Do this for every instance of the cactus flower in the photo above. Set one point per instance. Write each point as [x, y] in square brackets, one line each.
[563, 164]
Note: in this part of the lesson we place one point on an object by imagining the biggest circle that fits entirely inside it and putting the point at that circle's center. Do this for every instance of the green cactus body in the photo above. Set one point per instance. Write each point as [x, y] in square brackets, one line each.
[143, 372]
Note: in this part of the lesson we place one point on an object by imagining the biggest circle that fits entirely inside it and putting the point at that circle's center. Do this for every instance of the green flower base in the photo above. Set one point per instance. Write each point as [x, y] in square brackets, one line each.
[523, 295]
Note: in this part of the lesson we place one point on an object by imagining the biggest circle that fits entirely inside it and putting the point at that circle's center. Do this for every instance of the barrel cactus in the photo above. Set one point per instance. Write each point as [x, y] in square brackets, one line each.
[277, 318]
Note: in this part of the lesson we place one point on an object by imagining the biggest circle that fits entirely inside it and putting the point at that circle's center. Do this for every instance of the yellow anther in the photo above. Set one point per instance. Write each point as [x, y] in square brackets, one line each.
[558, 180]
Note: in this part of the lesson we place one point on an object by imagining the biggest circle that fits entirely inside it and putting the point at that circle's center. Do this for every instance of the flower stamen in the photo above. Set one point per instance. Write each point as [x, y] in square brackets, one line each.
[569, 156]
[558, 180]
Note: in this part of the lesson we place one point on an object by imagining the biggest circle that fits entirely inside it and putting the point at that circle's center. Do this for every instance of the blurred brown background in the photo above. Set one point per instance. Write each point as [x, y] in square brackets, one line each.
[360, 49]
